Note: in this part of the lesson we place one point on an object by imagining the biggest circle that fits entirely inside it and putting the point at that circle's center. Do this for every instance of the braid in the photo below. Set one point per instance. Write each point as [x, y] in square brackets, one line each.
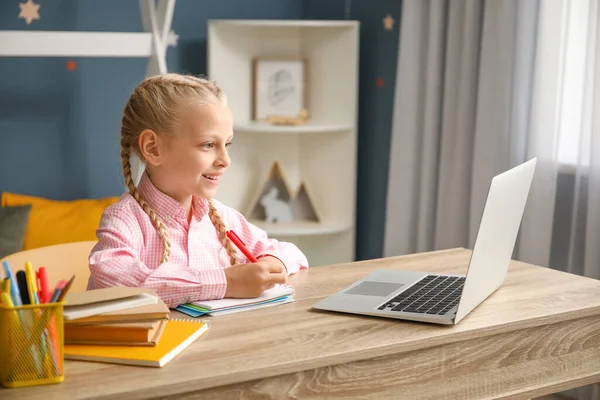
[215, 218]
[160, 226]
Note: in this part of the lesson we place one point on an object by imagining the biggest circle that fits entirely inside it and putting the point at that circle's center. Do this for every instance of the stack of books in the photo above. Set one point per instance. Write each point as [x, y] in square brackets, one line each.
[124, 325]
[115, 316]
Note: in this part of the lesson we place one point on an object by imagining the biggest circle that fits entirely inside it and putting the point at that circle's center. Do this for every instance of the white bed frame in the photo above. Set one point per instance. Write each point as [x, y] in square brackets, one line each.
[151, 43]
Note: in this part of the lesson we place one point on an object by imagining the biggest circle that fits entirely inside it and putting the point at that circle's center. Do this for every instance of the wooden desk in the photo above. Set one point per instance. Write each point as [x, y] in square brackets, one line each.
[538, 334]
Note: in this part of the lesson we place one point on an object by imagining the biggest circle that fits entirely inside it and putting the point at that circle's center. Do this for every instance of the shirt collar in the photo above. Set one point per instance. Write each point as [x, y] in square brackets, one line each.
[167, 207]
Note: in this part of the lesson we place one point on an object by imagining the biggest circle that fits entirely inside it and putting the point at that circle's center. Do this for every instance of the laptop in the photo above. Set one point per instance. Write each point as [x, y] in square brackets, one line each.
[447, 299]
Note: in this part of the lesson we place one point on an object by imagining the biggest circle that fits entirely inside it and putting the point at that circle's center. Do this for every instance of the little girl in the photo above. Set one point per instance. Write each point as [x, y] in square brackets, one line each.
[169, 233]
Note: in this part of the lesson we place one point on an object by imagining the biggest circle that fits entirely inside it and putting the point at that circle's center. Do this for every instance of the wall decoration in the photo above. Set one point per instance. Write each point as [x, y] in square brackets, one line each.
[276, 210]
[388, 23]
[298, 120]
[29, 11]
[302, 205]
[279, 87]
[276, 204]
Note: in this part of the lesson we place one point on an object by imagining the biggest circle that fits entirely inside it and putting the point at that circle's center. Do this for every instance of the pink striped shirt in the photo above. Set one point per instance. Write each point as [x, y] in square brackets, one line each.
[129, 248]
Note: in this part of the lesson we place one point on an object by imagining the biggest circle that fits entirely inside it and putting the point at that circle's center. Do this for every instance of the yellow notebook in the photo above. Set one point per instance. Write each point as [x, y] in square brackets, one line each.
[177, 335]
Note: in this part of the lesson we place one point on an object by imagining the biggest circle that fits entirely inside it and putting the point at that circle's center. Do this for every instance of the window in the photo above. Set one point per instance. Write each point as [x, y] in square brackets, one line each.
[574, 122]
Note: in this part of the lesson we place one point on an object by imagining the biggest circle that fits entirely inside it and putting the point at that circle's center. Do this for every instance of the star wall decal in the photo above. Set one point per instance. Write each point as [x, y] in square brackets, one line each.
[388, 23]
[29, 11]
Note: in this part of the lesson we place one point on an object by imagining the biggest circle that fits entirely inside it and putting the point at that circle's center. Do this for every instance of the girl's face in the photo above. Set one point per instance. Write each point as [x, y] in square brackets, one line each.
[193, 158]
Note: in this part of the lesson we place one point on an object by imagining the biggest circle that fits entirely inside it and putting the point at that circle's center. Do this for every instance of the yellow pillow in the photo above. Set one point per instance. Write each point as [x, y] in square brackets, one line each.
[54, 222]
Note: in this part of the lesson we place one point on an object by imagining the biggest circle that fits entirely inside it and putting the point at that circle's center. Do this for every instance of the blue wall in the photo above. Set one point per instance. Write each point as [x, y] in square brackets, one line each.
[59, 129]
[378, 58]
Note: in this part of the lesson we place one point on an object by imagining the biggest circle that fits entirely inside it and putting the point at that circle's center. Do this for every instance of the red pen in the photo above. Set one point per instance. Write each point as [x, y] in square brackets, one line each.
[240, 245]
[42, 284]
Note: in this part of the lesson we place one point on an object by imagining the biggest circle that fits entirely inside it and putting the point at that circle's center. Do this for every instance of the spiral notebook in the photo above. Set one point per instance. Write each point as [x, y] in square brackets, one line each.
[178, 334]
[280, 294]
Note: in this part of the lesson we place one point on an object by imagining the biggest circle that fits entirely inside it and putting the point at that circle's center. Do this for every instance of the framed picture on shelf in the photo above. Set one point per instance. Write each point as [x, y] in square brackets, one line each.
[279, 87]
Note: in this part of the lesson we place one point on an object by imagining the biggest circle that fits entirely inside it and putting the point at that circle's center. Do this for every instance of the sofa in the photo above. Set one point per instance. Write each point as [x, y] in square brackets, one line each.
[30, 222]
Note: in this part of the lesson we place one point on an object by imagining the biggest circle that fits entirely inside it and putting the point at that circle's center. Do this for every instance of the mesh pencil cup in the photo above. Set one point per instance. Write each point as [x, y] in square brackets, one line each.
[31, 345]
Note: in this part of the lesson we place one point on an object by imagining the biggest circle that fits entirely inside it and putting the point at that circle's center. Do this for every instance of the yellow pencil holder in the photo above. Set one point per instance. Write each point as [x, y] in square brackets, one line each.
[31, 345]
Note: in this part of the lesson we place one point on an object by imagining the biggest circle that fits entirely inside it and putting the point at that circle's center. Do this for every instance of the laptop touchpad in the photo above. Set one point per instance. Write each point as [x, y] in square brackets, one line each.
[368, 288]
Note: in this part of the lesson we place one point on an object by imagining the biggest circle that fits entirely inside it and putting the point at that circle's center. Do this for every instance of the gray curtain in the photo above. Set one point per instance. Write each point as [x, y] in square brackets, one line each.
[461, 114]
[482, 86]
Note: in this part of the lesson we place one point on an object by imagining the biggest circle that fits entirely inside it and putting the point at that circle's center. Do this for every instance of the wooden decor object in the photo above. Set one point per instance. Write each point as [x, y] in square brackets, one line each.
[299, 120]
[277, 203]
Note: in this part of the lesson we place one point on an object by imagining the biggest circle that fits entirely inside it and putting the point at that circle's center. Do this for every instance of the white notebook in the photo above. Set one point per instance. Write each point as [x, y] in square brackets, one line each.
[216, 313]
[277, 291]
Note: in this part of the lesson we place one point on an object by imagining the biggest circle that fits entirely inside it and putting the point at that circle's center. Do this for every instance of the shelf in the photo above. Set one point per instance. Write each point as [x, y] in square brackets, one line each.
[322, 153]
[75, 44]
[302, 228]
[265, 127]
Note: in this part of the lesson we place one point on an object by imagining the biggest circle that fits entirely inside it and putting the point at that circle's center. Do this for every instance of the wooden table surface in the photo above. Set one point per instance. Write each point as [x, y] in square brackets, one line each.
[538, 334]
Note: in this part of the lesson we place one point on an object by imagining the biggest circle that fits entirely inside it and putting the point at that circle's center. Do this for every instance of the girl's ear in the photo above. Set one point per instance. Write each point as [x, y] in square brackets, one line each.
[150, 146]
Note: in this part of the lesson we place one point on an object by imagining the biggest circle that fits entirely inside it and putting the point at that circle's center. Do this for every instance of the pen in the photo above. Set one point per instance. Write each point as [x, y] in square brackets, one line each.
[42, 282]
[14, 290]
[240, 245]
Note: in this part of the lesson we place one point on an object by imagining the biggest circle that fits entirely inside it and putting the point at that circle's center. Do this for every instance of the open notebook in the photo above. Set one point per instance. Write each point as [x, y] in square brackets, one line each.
[178, 334]
[280, 294]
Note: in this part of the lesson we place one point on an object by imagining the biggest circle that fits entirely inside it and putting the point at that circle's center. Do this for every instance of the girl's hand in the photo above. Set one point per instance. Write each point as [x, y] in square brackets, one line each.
[250, 280]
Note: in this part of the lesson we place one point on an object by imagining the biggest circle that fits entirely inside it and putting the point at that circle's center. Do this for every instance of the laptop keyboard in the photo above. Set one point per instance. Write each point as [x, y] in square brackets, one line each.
[434, 294]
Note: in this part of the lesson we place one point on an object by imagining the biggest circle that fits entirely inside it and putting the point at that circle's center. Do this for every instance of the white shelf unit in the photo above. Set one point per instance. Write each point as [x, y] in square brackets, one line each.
[321, 153]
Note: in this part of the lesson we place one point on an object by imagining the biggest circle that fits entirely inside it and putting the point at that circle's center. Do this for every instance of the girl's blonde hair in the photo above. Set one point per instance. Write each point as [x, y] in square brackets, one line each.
[155, 104]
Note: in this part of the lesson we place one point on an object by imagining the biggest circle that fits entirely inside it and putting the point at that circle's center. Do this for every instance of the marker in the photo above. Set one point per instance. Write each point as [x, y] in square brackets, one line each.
[23, 289]
[31, 287]
[6, 300]
[42, 283]
[240, 245]
[14, 288]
